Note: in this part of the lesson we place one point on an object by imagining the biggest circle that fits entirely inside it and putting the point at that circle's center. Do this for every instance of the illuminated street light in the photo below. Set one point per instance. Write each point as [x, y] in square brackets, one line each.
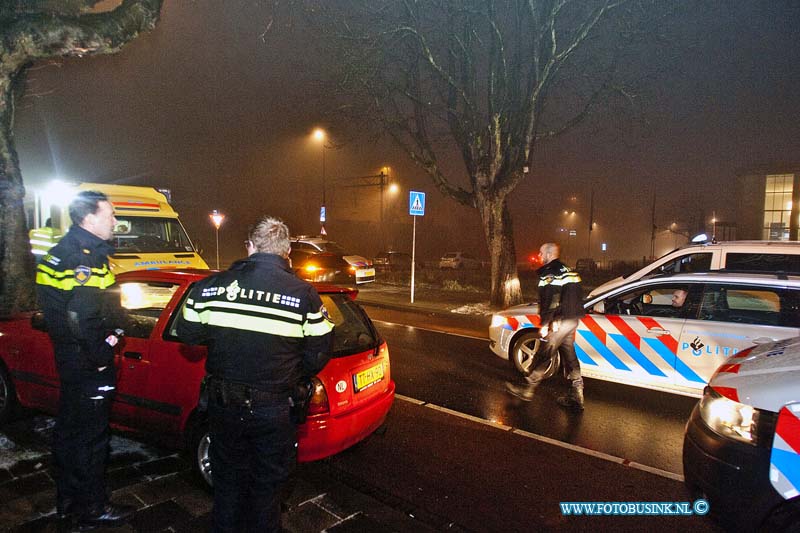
[216, 219]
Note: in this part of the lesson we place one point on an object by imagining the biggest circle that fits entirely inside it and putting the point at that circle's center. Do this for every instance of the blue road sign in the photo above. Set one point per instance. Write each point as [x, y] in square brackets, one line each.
[322, 214]
[416, 203]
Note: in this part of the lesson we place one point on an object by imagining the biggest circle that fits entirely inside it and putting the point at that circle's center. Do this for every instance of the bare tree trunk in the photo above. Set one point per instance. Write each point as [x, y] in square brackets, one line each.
[27, 35]
[16, 260]
[499, 233]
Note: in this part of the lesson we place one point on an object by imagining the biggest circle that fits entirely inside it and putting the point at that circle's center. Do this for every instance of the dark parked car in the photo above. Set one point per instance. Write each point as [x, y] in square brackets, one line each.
[394, 261]
[322, 267]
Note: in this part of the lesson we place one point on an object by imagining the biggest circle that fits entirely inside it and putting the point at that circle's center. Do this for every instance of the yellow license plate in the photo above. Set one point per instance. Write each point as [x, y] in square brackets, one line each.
[367, 378]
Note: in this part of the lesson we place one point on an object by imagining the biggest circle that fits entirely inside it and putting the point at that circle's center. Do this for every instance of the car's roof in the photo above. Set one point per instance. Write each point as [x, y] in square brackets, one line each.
[766, 279]
[193, 275]
[739, 244]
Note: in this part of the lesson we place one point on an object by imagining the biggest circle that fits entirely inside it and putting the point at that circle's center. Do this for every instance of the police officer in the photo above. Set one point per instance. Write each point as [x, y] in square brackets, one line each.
[560, 309]
[266, 331]
[73, 281]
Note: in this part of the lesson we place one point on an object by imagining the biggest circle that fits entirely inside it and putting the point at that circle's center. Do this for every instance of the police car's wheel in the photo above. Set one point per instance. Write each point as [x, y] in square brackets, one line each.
[523, 355]
[199, 442]
[8, 398]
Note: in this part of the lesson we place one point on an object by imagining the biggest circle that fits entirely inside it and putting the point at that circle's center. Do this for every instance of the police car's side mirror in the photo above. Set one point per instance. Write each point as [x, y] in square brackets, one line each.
[37, 321]
[599, 308]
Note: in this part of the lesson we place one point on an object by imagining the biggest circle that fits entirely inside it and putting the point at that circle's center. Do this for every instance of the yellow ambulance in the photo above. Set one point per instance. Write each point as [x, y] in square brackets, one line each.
[148, 234]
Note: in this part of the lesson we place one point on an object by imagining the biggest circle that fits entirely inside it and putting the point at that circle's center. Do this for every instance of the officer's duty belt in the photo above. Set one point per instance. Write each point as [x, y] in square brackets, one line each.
[231, 393]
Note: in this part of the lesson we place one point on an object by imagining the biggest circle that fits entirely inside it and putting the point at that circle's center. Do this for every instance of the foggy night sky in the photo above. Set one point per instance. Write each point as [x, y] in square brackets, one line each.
[203, 105]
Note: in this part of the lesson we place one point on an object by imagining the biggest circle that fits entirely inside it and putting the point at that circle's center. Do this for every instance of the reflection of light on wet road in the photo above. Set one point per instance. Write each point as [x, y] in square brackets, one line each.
[433, 330]
[495, 422]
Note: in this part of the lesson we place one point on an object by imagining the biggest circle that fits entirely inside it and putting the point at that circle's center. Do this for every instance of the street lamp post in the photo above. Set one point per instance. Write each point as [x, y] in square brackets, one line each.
[217, 218]
[319, 134]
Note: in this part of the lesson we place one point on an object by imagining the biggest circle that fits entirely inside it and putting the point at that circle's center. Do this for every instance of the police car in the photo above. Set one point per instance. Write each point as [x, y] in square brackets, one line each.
[636, 336]
[741, 450]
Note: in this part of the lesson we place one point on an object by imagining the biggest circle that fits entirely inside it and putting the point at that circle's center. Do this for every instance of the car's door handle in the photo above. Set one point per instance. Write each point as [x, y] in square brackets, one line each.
[133, 355]
[761, 340]
[658, 331]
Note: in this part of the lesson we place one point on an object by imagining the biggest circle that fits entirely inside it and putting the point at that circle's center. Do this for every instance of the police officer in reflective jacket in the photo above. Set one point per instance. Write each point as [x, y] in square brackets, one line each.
[73, 283]
[560, 309]
[266, 331]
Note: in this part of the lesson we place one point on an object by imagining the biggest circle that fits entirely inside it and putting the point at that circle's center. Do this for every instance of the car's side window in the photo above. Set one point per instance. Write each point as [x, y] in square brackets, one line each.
[142, 304]
[666, 301]
[697, 262]
[746, 305]
[768, 262]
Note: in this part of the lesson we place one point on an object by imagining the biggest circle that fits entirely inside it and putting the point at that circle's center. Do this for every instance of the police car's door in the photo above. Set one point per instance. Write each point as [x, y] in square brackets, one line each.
[732, 317]
[634, 339]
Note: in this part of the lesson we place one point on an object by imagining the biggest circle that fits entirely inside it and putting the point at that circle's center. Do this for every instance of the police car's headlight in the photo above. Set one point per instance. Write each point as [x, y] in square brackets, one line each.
[731, 419]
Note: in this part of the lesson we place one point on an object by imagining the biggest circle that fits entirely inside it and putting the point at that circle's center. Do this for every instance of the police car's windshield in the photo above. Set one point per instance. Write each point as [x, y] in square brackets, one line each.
[352, 331]
[150, 235]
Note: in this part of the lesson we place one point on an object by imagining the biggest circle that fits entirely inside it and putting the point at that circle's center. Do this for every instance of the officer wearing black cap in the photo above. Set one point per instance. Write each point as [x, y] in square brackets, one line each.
[266, 331]
[73, 281]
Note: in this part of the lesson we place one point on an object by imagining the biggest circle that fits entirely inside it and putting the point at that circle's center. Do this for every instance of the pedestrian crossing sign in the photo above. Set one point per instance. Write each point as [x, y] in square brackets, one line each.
[416, 203]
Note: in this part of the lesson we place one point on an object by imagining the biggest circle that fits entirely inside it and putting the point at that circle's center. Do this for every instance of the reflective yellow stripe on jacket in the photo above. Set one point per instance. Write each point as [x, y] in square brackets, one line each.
[256, 318]
[66, 281]
[317, 325]
[560, 280]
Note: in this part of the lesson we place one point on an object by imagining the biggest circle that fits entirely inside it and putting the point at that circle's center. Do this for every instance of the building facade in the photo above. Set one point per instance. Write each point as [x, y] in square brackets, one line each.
[768, 205]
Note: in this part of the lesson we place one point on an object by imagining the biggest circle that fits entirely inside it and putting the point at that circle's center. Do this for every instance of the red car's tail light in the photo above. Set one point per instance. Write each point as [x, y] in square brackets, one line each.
[319, 399]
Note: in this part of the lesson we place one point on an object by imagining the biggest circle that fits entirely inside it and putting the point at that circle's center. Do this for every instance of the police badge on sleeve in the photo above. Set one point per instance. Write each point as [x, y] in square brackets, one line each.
[324, 313]
[82, 274]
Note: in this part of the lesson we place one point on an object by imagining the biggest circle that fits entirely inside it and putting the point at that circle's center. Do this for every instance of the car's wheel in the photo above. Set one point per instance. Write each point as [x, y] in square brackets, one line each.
[8, 397]
[199, 443]
[523, 355]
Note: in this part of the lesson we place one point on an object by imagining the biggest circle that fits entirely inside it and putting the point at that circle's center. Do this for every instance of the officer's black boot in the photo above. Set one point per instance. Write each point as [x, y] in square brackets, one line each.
[525, 391]
[109, 514]
[573, 399]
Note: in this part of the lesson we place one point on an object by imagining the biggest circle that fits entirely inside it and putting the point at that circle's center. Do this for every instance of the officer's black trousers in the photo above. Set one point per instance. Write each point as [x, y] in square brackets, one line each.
[81, 443]
[252, 455]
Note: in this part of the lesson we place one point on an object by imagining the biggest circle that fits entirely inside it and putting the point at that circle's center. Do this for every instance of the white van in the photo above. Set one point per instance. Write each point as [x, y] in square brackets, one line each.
[744, 256]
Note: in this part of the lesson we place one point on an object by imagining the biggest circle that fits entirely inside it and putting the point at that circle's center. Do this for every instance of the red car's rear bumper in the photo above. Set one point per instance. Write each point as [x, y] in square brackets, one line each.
[322, 436]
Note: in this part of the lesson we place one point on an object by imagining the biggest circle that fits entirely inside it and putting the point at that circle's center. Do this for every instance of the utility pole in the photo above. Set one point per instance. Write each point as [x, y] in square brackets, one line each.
[591, 222]
[653, 229]
[375, 180]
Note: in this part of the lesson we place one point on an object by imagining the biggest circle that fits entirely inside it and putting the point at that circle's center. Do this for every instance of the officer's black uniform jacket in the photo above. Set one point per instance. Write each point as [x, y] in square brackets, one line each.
[560, 292]
[72, 283]
[264, 326]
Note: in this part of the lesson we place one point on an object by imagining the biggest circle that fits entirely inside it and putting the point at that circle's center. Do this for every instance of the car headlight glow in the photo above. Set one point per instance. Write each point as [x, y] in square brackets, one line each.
[730, 419]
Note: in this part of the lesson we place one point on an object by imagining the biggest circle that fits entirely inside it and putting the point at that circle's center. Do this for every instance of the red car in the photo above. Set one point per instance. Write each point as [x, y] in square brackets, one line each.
[158, 377]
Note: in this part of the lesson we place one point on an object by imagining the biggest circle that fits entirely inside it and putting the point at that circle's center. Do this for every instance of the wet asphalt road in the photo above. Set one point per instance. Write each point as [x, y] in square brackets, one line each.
[462, 374]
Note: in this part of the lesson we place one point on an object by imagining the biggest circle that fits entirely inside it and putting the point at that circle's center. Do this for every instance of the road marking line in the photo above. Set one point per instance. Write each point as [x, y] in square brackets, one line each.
[470, 417]
[434, 330]
[547, 440]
